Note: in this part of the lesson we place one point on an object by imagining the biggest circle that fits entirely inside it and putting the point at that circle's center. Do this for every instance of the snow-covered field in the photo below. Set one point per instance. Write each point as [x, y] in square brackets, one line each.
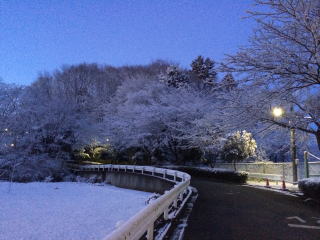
[64, 211]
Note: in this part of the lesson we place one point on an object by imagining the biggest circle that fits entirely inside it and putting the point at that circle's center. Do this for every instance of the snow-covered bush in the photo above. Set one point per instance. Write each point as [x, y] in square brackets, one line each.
[219, 174]
[93, 179]
[48, 179]
[95, 152]
[239, 146]
[69, 178]
[310, 187]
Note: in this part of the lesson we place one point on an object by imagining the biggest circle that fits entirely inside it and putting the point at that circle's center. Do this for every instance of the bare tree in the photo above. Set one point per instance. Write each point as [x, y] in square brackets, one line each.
[283, 62]
[285, 48]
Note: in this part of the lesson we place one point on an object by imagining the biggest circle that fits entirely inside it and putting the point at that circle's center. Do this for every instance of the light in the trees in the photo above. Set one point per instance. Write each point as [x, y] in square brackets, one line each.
[277, 112]
[12, 145]
[6, 129]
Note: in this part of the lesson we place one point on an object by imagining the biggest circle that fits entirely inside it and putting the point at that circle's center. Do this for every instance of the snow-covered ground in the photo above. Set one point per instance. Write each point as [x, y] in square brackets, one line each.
[311, 180]
[64, 211]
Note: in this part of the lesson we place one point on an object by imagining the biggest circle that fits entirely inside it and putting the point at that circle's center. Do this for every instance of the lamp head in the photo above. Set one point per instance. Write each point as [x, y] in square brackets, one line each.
[277, 112]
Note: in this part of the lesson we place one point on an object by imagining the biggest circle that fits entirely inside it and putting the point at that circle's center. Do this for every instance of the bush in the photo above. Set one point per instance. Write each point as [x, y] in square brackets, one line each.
[133, 155]
[238, 147]
[81, 156]
[95, 153]
[310, 187]
[38, 167]
[219, 174]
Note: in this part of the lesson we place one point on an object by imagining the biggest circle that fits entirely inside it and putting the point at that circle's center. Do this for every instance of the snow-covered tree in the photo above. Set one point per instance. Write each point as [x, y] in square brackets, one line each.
[228, 82]
[204, 71]
[9, 101]
[239, 146]
[158, 116]
[283, 62]
[285, 47]
[174, 77]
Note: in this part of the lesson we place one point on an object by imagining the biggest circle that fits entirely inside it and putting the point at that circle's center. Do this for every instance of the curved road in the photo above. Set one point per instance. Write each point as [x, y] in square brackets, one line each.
[233, 212]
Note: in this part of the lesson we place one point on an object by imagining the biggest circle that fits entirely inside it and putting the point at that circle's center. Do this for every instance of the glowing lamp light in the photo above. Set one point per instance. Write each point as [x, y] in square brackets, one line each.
[12, 145]
[277, 111]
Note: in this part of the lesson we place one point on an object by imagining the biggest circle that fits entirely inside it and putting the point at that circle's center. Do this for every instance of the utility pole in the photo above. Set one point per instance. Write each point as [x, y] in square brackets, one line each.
[306, 164]
[293, 150]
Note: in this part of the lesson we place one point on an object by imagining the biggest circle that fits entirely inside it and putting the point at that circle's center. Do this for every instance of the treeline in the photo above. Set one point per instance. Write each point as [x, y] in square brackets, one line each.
[149, 114]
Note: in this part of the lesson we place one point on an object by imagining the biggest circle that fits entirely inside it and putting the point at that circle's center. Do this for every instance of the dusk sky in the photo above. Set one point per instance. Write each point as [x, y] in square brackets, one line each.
[38, 36]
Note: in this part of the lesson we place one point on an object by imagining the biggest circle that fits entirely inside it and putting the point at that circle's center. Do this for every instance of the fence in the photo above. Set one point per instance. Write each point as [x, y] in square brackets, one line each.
[277, 171]
[143, 222]
[311, 169]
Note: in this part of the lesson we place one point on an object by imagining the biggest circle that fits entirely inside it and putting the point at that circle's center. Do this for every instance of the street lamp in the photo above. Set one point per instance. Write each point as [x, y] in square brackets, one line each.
[279, 112]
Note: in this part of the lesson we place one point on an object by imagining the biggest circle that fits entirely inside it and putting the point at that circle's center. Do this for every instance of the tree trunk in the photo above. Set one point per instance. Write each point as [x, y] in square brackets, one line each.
[212, 163]
[317, 134]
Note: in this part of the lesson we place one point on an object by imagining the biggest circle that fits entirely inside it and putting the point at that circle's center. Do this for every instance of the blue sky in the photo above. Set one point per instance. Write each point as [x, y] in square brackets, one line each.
[41, 35]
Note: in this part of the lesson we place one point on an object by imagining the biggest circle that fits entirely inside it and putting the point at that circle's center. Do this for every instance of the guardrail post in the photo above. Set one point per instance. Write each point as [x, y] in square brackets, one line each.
[133, 168]
[164, 173]
[165, 214]
[142, 170]
[153, 171]
[150, 232]
[175, 203]
[175, 176]
[306, 164]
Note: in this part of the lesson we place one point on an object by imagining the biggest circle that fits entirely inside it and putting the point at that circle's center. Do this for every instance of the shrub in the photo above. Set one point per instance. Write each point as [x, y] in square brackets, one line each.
[310, 187]
[103, 154]
[81, 156]
[95, 153]
[219, 174]
[238, 147]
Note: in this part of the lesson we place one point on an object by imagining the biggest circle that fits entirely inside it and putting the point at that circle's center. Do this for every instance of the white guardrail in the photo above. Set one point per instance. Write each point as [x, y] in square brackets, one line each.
[143, 222]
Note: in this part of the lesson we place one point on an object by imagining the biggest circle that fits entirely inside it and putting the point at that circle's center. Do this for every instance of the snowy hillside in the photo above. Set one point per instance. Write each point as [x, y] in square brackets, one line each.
[64, 210]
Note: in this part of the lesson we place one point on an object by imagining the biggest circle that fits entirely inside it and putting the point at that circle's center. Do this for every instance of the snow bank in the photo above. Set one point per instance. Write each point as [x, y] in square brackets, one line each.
[311, 180]
[37, 211]
[310, 187]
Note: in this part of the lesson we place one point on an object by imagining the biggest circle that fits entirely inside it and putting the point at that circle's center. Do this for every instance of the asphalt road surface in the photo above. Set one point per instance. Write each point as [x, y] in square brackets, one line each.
[233, 212]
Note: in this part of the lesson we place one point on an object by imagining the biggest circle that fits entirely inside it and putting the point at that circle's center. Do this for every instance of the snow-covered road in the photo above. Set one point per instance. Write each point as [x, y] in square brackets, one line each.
[37, 211]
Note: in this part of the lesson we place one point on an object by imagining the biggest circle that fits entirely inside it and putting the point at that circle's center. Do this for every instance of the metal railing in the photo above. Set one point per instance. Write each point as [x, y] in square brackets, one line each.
[307, 164]
[142, 224]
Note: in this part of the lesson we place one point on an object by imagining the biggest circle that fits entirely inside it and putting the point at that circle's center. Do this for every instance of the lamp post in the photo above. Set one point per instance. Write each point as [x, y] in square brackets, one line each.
[293, 149]
[279, 112]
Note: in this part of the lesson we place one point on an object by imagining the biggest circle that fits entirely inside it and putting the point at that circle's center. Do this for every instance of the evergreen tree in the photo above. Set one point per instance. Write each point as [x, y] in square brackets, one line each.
[204, 70]
[174, 77]
[228, 82]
